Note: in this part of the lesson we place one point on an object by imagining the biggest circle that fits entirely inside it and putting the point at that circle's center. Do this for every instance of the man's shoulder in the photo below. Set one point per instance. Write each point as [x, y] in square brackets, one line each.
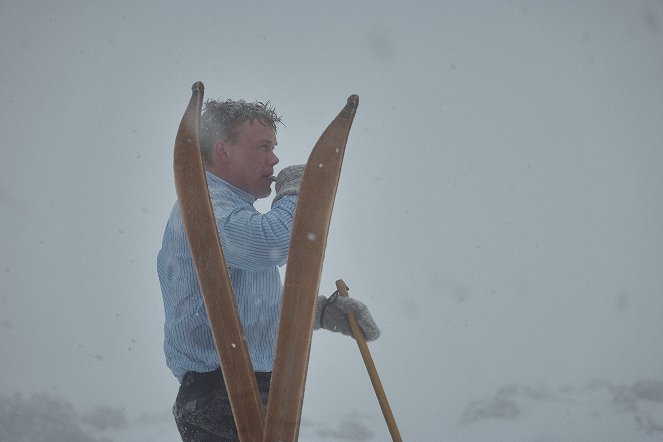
[222, 189]
[223, 194]
[226, 202]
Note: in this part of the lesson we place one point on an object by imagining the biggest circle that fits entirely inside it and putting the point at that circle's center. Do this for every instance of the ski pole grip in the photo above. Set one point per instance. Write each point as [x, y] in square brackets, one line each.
[370, 367]
[354, 325]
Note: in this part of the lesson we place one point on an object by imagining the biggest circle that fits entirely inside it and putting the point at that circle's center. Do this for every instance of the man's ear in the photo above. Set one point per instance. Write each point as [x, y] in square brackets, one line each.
[221, 150]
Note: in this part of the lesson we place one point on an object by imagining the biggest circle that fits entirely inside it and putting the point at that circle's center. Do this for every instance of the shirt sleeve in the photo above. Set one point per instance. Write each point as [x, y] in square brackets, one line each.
[252, 240]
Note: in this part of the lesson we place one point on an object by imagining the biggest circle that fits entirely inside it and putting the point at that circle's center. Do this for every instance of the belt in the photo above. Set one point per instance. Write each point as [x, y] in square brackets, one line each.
[194, 377]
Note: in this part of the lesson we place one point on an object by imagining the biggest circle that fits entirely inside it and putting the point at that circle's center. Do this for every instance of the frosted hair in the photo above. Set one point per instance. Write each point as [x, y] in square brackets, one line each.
[220, 120]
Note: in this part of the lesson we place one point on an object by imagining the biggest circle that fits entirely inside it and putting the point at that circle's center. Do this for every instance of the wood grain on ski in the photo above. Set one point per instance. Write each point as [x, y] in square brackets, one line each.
[307, 246]
[212, 272]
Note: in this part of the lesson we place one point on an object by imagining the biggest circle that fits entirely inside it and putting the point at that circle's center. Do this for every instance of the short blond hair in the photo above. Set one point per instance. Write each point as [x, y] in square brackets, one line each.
[220, 120]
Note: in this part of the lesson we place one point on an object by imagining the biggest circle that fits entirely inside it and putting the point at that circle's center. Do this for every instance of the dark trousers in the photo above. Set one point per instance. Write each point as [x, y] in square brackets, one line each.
[202, 408]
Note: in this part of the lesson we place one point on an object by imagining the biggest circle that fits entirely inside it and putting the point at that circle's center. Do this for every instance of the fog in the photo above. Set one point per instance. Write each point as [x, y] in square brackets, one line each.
[500, 208]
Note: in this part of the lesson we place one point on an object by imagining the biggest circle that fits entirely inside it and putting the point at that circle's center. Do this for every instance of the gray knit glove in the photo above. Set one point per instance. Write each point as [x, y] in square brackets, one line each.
[330, 314]
[288, 181]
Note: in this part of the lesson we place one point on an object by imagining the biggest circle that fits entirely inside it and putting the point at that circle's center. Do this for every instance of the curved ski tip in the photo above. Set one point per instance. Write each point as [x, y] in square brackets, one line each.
[353, 102]
[198, 86]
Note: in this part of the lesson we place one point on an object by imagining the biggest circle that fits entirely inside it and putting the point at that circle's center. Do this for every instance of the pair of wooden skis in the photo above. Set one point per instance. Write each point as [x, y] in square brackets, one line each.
[302, 280]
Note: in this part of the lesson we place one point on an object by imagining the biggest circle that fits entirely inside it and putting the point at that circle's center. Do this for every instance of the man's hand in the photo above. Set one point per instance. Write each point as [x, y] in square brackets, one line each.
[288, 181]
[330, 314]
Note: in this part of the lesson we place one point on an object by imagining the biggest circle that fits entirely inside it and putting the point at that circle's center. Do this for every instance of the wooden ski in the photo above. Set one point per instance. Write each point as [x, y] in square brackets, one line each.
[302, 281]
[212, 271]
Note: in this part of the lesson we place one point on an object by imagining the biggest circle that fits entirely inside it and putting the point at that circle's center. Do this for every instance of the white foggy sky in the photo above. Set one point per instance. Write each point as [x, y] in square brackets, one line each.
[500, 207]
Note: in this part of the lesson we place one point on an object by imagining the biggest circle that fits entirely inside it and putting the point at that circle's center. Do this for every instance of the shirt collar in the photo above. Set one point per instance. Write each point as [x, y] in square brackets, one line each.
[215, 181]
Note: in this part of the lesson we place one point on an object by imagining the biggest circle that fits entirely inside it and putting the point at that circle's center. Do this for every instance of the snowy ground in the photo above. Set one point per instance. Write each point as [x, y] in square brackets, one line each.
[596, 411]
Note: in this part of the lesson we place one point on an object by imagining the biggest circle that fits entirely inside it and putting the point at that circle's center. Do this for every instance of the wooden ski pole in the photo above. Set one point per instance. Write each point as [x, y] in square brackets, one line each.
[370, 367]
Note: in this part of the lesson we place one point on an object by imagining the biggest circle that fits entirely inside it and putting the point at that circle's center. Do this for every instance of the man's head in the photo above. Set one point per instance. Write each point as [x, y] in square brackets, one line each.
[237, 140]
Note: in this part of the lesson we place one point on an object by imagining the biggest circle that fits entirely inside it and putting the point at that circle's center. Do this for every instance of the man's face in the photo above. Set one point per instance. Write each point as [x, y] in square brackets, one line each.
[251, 158]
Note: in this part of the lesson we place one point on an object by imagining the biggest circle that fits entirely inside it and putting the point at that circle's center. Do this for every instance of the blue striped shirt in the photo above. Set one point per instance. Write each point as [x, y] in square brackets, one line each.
[254, 245]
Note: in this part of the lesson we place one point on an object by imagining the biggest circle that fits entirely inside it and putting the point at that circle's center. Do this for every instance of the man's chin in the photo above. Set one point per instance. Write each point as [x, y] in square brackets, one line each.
[263, 193]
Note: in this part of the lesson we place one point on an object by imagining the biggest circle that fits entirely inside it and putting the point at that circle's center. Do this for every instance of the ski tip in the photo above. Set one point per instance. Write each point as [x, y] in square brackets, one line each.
[353, 102]
[198, 86]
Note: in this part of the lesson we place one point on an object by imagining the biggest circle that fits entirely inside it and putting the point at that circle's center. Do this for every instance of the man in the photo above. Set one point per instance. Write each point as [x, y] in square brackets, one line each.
[237, 142]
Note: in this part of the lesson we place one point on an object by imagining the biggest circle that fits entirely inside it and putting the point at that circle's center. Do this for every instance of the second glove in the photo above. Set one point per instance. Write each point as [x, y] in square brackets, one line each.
[330, 314]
